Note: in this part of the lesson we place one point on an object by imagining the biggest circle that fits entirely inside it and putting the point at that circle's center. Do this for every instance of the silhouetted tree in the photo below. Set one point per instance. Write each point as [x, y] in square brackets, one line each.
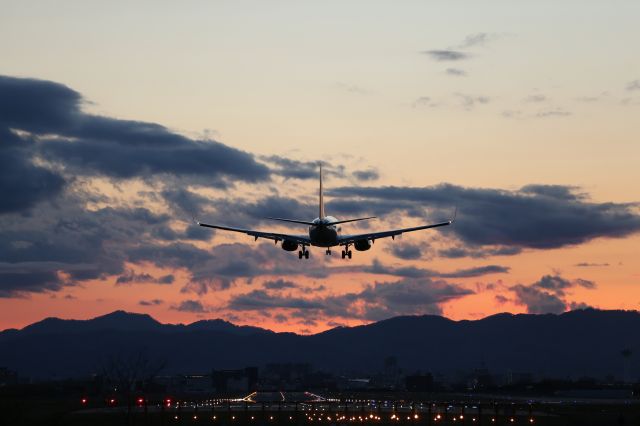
[126, 373]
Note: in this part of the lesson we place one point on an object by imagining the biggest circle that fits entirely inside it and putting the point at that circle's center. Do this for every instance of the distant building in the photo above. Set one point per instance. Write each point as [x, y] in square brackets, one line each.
[244, 380]
[419, 383]
[8, 377]
[291, 376]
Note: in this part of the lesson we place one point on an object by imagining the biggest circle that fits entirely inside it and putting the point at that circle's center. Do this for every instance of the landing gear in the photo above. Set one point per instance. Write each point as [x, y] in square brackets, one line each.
[347, 253]
[303, 253]
[328, 252]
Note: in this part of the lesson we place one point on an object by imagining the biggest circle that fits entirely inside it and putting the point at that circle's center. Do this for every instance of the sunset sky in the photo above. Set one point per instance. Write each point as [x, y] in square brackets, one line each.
[120, 121]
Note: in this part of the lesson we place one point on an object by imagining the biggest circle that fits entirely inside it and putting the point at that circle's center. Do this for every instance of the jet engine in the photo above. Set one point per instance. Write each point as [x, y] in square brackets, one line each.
[289, 245]
[362, 245]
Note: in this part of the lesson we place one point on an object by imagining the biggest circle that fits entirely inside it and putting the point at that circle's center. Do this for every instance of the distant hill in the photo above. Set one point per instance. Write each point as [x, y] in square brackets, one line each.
[578, 343]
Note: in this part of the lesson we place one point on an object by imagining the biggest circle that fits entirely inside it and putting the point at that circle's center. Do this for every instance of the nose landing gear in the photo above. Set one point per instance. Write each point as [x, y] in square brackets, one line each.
[328, 252]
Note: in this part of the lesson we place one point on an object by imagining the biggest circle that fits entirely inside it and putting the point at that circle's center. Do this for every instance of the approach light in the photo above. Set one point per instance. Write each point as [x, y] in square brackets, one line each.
[84, 401]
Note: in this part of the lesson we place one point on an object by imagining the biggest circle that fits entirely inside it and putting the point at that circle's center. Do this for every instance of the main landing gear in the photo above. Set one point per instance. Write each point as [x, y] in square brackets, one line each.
[347, 253]
[303, 253]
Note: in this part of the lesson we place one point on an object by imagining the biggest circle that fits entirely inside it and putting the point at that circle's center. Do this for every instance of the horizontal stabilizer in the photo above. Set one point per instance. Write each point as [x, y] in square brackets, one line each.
[352, 220]
[302, 222]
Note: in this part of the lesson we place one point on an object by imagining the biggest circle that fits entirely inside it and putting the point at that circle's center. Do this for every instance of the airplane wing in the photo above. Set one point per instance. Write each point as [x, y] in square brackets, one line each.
[300, 239]
[350, 239]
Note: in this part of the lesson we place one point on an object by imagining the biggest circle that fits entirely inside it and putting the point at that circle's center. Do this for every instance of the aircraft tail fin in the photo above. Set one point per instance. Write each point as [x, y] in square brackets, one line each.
[321, 200]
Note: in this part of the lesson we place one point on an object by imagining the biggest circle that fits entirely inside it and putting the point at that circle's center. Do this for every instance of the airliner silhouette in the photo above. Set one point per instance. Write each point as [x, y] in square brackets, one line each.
[323, 232]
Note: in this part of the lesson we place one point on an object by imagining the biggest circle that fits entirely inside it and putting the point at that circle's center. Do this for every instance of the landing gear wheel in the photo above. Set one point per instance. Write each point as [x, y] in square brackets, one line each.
[328, 252]
[300, 254]
[343, 254]
[349, 254]
[306, 254]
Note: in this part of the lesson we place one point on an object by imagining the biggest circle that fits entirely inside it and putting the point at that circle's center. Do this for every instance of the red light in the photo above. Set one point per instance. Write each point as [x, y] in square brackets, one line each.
[112, 401]
[83, 401]
[140, 400]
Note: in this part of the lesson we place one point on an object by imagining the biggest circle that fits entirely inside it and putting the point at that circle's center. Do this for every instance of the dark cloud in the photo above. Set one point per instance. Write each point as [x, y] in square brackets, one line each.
[535, 99]
[425, 101]
[556, 112]
[152, 302]
[193, 306]
[479, 39]
[374, 302]
[548, 295]
[533, 217]
[18, 280]
[130, 277]
[446, 55]
[456, 72]
[407, 251]
[590, 264]
[538, 301]
[458, 252]
[500, 299]
[633, 85]
[352, 88]
[377, 267]
[294, 169]
[23, 183]
[95, 145]
[476, 271]
[244, 213]
[366, 175]
[279, 284]
[470, 101]
[261, 299]
[184, 201]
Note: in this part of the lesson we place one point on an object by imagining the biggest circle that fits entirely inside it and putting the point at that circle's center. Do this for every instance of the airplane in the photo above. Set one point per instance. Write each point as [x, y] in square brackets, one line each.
[323, 232]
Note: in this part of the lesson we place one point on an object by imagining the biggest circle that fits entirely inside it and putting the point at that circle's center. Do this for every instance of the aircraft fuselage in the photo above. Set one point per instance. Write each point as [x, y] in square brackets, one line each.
[322, 233]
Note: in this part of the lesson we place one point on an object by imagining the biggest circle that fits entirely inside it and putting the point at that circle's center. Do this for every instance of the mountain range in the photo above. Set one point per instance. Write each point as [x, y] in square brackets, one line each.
[574, 344]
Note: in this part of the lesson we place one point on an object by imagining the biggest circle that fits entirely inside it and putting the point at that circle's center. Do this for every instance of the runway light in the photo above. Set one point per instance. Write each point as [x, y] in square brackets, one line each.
[84, 401]
[415, 416]
[195, 417]
[531, 420]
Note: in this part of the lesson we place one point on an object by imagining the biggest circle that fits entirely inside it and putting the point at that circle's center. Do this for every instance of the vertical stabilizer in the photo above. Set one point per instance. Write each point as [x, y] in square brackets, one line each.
[321, 200]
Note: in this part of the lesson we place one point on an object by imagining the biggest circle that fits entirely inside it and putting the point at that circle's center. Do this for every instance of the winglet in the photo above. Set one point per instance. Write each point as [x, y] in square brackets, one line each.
[455, 213]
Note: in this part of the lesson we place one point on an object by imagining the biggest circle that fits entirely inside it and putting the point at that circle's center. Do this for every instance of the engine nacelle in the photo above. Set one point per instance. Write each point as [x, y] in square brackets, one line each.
[289, 245]
[362, 245]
